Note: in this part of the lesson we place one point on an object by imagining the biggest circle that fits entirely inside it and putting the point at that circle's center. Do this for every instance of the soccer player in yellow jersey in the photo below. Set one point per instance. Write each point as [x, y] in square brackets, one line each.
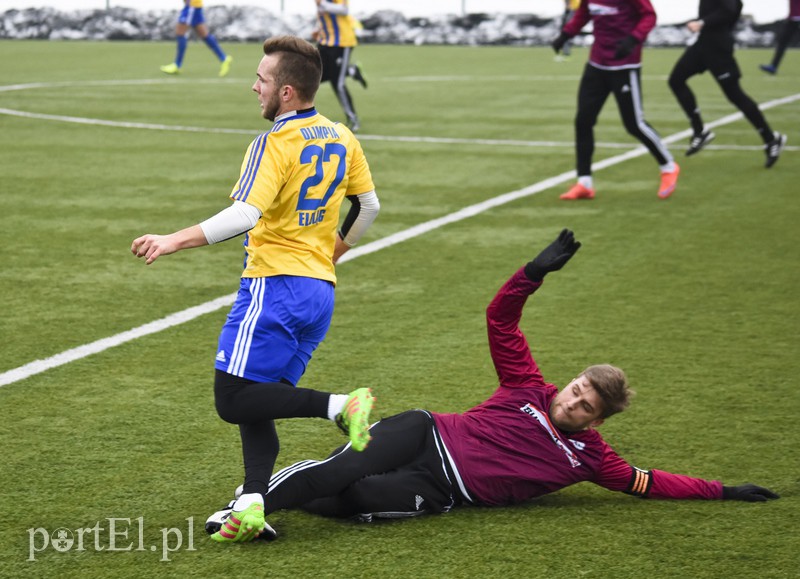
[337, 39]
[287, 199]
[192, 16]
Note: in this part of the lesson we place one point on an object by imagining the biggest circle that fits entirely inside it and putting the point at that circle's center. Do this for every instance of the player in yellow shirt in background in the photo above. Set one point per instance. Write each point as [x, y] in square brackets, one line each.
[336, 38]
[287, 200]
[192, 16]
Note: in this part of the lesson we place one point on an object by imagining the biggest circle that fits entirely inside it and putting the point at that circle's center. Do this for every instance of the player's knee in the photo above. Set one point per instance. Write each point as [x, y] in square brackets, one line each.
[584, 123]
[734, 93]
[634, 129]
[419, 418]
[226, 409]
[225, 388]
[675, 82]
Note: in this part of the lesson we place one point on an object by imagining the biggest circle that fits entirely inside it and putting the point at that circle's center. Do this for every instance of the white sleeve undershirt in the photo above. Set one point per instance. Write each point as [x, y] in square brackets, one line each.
[230, 222]
[240, 217]
[333, 8]
[368, 211]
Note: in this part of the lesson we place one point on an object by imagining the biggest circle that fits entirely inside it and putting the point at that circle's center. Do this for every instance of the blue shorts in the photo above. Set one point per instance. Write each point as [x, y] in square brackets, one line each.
[274, 326]
[191, 16]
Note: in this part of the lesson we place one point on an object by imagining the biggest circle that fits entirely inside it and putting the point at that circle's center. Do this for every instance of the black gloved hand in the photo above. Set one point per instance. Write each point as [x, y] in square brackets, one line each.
[559, 42]
[748, 492]
[553, 257]
[625, 47]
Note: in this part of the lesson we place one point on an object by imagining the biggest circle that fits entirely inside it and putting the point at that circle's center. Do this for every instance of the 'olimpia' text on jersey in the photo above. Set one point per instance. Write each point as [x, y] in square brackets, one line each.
[297, 176]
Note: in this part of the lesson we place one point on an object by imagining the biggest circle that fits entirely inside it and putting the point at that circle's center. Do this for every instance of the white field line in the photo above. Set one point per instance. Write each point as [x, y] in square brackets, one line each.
[240, 81]
[189, 314]
[123, 124]
[363, 137]
[119, 82]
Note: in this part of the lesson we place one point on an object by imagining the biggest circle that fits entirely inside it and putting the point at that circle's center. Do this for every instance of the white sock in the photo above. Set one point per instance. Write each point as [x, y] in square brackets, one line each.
[336, 404]
[668, 168]
[246, 500]
[585, 180]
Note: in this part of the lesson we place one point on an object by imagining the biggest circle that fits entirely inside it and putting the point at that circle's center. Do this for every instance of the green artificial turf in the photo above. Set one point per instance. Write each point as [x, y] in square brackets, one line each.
[696, 297]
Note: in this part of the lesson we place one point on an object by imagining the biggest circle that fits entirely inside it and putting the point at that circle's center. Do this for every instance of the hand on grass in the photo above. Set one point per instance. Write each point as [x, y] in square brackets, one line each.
[748, 492]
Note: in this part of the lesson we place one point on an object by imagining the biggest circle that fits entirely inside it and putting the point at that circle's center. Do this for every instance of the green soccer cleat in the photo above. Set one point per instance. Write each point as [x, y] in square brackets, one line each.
[170, 69]
[225, 67]
[242, 526]
[354, 418]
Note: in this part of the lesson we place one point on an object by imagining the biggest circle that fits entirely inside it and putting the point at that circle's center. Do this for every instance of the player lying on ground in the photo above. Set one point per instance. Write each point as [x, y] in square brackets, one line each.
[527, 440]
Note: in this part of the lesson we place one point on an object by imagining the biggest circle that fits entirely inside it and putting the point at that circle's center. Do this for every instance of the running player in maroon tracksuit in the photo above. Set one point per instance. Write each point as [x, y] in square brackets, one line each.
[527, 440]
[615, 63]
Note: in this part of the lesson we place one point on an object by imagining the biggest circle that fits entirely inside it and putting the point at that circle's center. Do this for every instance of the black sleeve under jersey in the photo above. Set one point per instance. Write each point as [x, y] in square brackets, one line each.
[352, 215]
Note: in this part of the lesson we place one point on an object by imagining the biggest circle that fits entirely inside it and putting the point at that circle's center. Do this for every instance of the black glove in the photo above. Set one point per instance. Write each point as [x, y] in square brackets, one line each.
[559, 42]
[553, 257]
[749, 492]
[625, 47]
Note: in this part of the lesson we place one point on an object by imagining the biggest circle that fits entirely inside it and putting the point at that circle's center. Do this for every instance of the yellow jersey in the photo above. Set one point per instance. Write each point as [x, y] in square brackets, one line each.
[297, 175]
[573, 4]
[194, 3]
[336, 29]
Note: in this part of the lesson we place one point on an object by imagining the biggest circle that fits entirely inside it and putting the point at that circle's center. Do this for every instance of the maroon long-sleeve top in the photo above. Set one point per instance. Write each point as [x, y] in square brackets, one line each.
[506, 450]
[613, 20]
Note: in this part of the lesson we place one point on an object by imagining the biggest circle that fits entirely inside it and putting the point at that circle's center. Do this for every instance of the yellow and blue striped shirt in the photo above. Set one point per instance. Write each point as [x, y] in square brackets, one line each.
[336, 29]
[297, 175]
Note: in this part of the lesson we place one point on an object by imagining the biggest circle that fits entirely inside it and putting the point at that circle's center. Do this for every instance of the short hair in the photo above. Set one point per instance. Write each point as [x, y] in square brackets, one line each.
[299, 65]
[611, 385]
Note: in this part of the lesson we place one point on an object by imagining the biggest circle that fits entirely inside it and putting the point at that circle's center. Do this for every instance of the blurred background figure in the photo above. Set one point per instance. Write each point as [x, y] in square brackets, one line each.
[790, 26]
[336, 38]
[570, 6]
[713, 52]
[614, 67]
[192, 17]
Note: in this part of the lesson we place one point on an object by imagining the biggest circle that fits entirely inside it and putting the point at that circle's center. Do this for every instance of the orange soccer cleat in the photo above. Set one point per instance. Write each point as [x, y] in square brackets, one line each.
[578, 191]
[668, 182]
